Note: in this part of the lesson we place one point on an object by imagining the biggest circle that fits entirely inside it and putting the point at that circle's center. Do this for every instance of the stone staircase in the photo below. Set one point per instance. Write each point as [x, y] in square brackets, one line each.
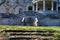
[29, 35]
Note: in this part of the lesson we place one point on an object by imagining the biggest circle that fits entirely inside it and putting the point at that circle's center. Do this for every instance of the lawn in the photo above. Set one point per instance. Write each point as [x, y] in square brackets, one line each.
[10, 27]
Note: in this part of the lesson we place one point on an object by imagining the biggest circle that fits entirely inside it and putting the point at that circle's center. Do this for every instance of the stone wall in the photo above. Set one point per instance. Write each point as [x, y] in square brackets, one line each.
[11, 6]
[43, 22]
[50, 22]
[10, 21]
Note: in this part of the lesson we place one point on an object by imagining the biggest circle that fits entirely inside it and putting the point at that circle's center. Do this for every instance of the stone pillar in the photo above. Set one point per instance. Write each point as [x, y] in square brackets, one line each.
[33, 7]
[57, 6]
[44, 5]
[52, 8]
[36, 6]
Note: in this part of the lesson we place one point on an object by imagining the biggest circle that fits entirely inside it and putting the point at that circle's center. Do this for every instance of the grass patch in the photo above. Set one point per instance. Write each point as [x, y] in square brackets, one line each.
[10, 27]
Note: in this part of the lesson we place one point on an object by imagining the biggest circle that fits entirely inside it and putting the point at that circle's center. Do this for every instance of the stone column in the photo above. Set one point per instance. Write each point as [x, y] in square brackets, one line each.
[36, 6]
[57, 6]
[44, 5]
[52, 8]
[33, 7]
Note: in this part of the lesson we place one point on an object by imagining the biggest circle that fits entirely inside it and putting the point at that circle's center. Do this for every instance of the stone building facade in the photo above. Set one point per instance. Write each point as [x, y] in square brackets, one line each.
[41, 6]
[24, 8]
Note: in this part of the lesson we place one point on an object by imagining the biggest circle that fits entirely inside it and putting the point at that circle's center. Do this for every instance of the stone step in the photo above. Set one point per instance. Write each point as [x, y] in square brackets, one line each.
[17, 34]
[32, 37]
[40, 31]
[42, 34]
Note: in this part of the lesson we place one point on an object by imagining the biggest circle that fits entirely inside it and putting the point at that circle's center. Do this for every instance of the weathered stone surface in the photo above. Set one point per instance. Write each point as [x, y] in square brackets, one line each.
[19, 7]
[48, 21]
[10, 21]
[2, 9]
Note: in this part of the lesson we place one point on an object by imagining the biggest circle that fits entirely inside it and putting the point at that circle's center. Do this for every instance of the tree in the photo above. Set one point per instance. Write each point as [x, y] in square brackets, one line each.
[2, 2]
[10, 4]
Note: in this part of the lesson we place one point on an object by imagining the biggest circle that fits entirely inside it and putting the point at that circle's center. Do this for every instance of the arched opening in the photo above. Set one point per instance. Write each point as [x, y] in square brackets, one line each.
[30, 8]
[30, 21]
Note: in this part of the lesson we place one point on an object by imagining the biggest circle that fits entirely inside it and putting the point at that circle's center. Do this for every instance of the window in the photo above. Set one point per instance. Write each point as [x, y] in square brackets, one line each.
[54, 6]
[48, 5]
[30, 8]
[40, 5]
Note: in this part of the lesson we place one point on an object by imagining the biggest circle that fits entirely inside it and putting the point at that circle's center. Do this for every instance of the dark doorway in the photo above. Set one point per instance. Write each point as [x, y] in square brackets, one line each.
[59, 9]
[29, 21]
[30, 8]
